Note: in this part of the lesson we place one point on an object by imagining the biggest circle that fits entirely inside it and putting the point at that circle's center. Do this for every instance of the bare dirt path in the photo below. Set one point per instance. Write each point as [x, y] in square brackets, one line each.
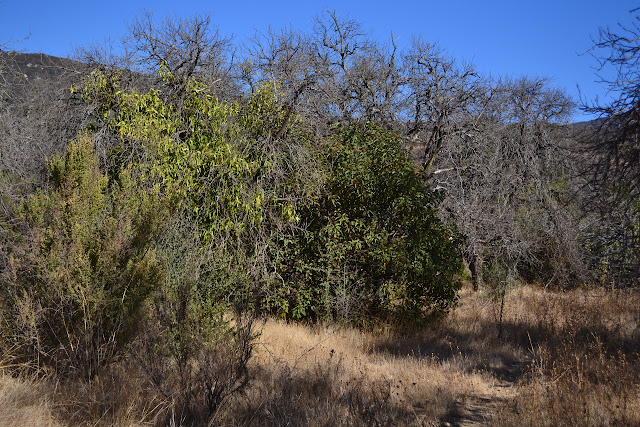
[480, 409]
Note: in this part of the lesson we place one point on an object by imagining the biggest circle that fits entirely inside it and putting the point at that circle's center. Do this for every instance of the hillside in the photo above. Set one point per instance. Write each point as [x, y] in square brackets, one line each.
[21, 72]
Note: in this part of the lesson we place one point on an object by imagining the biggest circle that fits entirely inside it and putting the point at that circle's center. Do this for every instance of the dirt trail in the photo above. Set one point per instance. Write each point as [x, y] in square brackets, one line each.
[479, 409]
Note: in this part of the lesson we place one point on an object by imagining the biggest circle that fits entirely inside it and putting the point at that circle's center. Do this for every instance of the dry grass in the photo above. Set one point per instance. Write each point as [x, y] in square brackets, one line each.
[557, 358]
[586, 365]
[323, 375]
[25, 403]
[120, 396]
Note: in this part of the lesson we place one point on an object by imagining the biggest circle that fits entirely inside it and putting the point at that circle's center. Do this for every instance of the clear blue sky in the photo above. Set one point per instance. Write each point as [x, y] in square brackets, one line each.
[541, 38]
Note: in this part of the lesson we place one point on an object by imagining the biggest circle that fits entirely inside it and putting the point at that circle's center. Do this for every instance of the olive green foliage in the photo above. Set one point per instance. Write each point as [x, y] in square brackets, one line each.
[219, 159]
[374, 244]
[190, 146]
[194, 348]
[213, 149]
[83, 267]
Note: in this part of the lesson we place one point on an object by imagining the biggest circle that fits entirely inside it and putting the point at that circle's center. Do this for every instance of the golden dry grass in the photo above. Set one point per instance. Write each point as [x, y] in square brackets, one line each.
[568, 358]
[25, 403]
[120, 397]
[586, 365]
[343, 367]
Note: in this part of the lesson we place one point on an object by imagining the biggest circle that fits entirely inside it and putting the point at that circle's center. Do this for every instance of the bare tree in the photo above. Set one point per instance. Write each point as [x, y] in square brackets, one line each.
[339, 42]
[442, 95]
[335, 74]
[185, 47]
[283, 59]
[613, 154]
[39, 114]
[506, 180]
[7, 70]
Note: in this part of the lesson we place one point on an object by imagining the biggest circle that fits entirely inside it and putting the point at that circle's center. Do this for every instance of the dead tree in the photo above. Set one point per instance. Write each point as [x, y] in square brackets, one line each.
[502, 191]
[612, 163]
[184, 47]
[442, 95]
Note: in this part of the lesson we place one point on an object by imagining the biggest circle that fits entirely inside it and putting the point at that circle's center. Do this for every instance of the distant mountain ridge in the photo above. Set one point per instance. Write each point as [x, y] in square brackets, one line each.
[21, 68]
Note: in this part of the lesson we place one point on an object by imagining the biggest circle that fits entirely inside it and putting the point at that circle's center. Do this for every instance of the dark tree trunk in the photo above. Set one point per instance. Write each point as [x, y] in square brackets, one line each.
[475, 266]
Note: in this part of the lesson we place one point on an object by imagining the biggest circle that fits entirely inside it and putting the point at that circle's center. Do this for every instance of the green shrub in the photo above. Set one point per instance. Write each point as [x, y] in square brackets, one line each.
[194, 347]
[83, 266]
[218, 160]
[374, 243]
[240, 183]
[342, 231]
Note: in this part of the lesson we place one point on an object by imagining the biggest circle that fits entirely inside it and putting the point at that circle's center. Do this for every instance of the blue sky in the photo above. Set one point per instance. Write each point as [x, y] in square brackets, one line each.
[537, 38]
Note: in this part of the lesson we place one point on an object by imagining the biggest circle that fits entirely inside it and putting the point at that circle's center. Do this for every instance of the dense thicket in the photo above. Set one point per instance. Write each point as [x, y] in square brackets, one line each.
[494, 148]
[319, 175]
[257, 201]
[612, 166]
[80, 265]
[373, 243]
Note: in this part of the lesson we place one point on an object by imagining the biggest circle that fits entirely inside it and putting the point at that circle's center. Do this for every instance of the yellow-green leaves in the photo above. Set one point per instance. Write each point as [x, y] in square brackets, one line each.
[208, 151]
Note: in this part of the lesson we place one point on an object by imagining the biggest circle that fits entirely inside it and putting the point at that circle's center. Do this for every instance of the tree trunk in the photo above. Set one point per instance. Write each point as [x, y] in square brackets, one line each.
[476, 271]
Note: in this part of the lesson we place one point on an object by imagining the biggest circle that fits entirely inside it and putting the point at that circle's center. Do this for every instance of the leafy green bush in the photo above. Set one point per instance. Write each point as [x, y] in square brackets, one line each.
[374, 243]
[240, 183]
[220, 162]
[82, 267]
